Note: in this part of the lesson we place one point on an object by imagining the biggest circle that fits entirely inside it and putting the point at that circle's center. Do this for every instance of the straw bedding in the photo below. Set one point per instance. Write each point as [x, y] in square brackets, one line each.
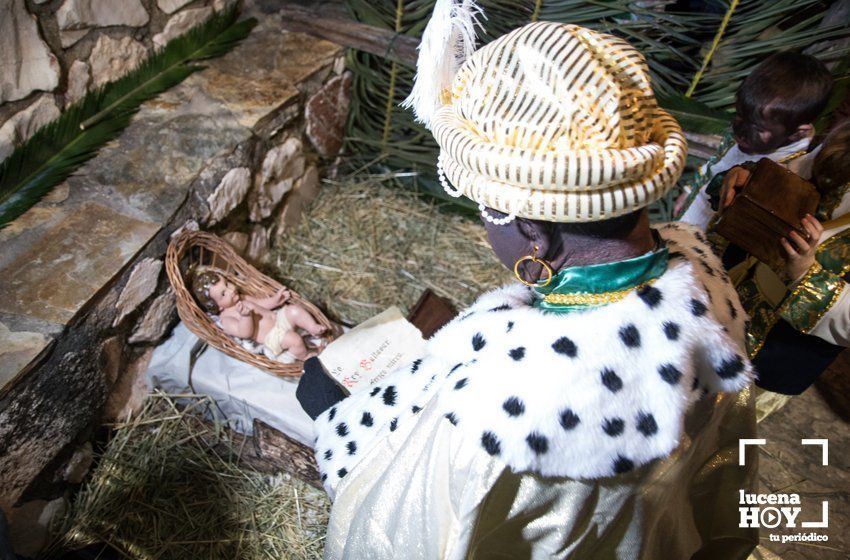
[365, 245]
[170, 486]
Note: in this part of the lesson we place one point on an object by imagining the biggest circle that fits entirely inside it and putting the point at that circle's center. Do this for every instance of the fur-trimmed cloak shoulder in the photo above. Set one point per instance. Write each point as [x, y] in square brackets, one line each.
[582, 395]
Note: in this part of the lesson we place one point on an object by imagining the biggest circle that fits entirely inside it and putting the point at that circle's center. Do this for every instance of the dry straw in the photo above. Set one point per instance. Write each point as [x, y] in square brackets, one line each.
[366, 244]
[170, 486]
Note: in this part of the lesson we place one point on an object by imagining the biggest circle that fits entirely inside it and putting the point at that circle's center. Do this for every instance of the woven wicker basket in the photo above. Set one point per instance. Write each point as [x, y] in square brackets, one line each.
[192, 249]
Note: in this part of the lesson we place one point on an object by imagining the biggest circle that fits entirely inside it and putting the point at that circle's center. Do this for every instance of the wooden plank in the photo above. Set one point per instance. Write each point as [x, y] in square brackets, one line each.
[350, 33]
[284, 452]
[269, 451]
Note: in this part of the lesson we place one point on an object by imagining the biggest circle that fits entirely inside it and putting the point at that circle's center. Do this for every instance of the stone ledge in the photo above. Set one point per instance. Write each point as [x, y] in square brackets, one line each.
[53, 278]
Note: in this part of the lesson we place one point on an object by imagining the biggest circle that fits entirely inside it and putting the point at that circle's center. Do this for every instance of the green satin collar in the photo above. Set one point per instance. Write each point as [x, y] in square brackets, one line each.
[600, 284]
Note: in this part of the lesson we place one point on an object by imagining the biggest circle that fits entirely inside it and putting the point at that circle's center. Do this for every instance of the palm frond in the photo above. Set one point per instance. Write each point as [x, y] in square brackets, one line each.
[839, 93]
[694, 116]
[51, 155]
[55, 151]
[662, 36]
[756, 29]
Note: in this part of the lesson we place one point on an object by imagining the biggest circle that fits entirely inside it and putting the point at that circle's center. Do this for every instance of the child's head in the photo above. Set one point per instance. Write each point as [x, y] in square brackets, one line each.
[779, 101]
[831, 168]
[213, 292]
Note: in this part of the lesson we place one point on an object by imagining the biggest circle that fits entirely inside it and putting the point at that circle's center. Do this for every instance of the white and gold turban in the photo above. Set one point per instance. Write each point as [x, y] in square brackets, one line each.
[554, 122]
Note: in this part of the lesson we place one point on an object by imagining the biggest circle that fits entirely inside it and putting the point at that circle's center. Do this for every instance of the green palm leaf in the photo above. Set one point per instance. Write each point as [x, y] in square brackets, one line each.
[55, 151]
[695, 116]
[756, 29]
[50, 156]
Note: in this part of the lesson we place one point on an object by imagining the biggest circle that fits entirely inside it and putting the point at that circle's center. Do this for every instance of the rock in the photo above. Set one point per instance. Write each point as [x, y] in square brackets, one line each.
[219, 5]
[26, 62]
[79, 79]
[238, 240]
[258, 247]
[190, 225]
[281, 166]
[77, 17]
[305, 190]
[308, 185]
[164, 148]
[23, 125]
[79, 463]
[29, 525]
[82, 14]
[156, 321]
[45, 411]
[339, 65]
[110, 360]
[140, 285]
[112, 58]
[229, 193]
[36, 217]
[59, 194]
[325, 114]
[72, 37]
[261, 79]
[129, 392]
[171, 6]
[180, 24]
[167, 145]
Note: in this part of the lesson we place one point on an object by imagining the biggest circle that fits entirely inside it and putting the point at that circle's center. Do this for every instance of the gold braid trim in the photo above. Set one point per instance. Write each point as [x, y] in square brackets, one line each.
[827, 246]
[795, 155]
[814, 269]
[832, 301]
[717, 242]
[587, 298]
[807, 304]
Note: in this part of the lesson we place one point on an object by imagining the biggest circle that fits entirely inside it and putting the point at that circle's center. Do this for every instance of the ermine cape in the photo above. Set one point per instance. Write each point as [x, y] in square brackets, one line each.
[606, 433]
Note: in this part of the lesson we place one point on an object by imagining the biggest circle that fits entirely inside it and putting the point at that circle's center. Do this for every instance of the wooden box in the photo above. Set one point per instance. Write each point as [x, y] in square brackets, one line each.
[431, 312]
[768, 208]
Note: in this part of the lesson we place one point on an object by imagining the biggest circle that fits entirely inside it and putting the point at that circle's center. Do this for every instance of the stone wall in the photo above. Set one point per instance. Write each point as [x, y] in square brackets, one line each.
[235, 149]
[53, 51]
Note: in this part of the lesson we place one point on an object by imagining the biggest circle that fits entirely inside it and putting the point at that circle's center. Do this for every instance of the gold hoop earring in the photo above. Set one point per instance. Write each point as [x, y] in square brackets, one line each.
[533, 258]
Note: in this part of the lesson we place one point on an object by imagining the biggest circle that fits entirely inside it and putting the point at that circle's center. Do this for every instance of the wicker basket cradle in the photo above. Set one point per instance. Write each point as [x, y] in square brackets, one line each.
[193, 249]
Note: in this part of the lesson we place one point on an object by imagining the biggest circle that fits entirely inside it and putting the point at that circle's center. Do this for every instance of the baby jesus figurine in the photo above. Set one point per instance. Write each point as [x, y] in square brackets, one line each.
[270, 321]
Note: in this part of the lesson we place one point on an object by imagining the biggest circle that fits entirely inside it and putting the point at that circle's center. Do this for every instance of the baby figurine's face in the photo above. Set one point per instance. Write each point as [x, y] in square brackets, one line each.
[224, 294]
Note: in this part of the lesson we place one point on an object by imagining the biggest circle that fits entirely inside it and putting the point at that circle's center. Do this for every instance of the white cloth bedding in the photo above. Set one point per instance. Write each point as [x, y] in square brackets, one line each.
[242, 391]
